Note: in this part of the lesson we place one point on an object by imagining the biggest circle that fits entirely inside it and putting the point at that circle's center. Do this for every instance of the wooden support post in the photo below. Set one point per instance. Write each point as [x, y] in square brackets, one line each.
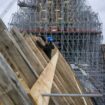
[11, 92]
[44, 83]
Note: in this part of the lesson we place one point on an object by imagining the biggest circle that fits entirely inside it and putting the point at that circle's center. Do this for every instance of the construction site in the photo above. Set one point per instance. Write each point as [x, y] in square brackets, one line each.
[75, 72]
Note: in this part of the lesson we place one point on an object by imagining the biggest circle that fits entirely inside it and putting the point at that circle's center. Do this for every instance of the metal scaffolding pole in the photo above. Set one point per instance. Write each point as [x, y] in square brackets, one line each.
[72, 95]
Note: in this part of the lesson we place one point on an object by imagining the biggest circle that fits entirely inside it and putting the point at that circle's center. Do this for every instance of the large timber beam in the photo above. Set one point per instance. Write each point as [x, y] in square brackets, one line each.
[11, 92]
[44, 82]
[15, 56]
[28, 52]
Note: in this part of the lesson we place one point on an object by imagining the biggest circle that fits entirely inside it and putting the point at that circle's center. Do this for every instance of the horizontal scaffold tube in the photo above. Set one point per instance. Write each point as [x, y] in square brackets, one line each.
[72, 95]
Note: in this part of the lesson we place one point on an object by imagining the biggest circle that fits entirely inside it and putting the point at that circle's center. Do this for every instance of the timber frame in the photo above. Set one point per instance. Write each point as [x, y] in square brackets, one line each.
[30, 73]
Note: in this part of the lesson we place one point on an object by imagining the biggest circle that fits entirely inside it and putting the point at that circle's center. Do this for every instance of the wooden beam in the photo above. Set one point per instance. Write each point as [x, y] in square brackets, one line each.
[44, 82]
[11, 91]
[28, 52]
[35, 49]
[16, 57]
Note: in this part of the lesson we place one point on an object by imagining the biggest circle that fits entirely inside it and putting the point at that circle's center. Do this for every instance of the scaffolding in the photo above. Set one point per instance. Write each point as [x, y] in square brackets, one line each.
[102, 66]
[75, 28]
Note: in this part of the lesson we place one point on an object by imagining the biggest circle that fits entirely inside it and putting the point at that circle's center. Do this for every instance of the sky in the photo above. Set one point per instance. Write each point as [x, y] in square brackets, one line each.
[97, 5]
[12, 9]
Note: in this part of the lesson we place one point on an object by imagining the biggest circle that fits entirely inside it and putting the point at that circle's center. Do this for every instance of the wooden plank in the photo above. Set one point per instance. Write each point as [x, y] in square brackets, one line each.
[44, 82]
[16, 58]
[11, 91]
[68, 75]
[32, 58]
[35, 50]
[43, 43]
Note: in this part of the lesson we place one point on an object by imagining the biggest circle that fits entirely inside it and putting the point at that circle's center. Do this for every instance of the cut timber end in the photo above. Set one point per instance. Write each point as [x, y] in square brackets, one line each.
[44, 82]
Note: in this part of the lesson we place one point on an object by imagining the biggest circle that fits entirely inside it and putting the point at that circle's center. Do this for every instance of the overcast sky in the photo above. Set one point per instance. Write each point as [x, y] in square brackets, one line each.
[97, 6]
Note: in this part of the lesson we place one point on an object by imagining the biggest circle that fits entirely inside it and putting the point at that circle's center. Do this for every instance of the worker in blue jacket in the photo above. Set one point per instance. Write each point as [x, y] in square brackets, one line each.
[48, 46]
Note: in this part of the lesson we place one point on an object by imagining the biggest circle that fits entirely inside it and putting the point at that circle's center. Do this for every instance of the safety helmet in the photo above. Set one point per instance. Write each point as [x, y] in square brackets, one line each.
[50, 39]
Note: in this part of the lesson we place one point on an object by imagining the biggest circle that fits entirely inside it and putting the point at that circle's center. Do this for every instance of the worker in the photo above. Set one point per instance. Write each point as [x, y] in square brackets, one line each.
[48, 46]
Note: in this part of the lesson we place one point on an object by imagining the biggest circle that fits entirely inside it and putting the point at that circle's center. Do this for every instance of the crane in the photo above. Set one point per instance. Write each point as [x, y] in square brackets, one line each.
[7, 8]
